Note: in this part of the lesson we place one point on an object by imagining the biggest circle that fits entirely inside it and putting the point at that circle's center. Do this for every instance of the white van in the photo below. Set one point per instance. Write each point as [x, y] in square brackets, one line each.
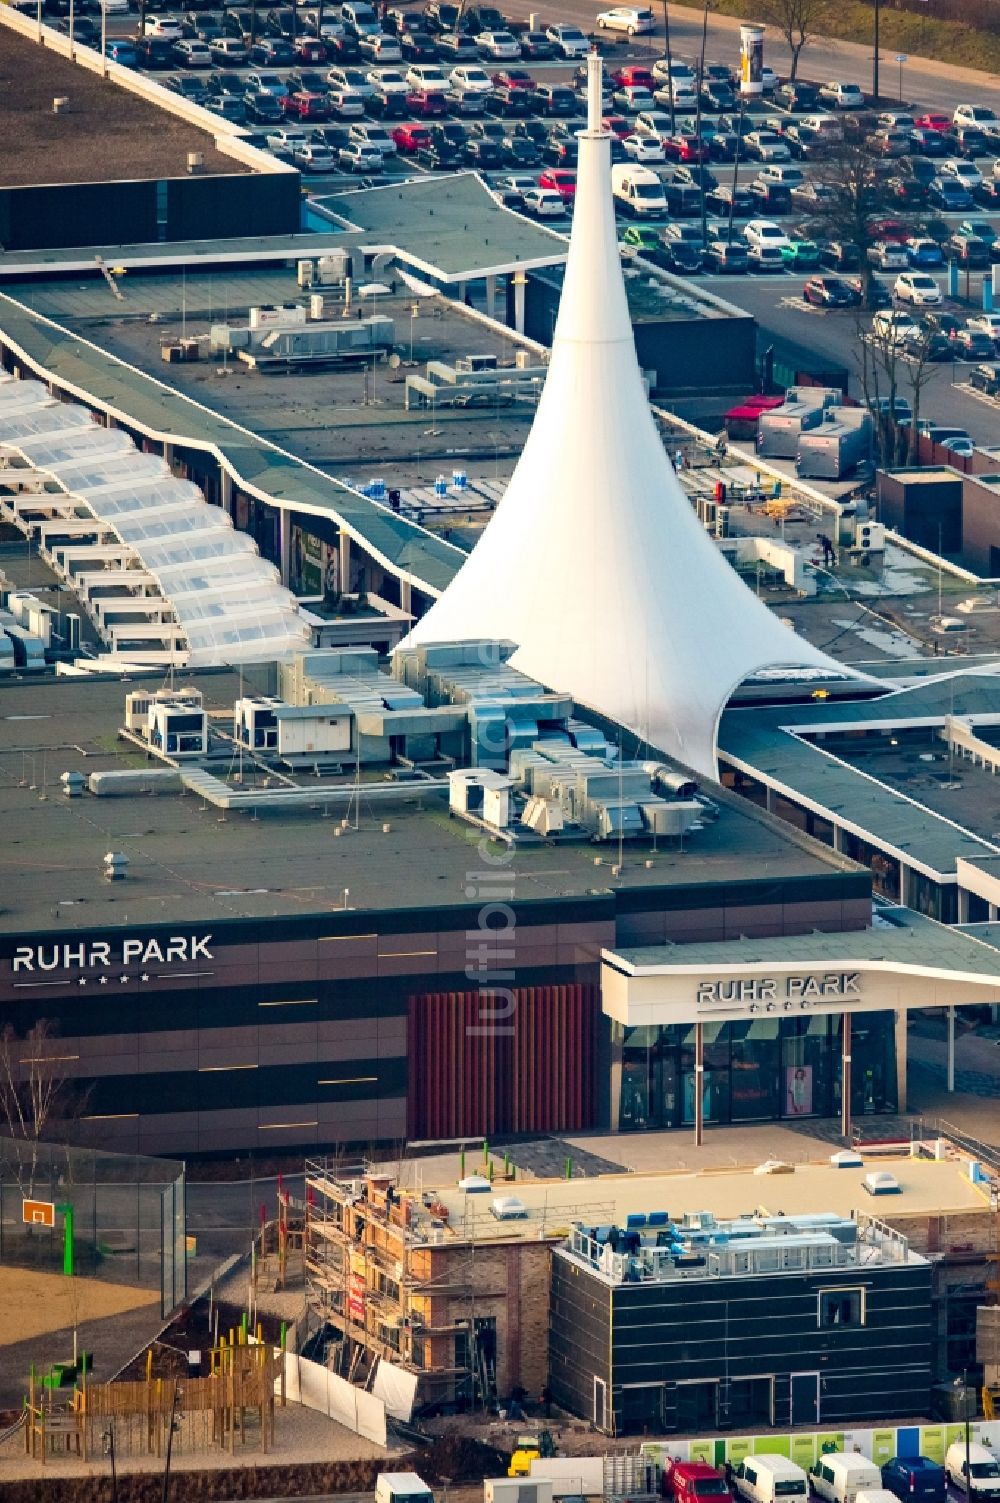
[839, 1476]
[766, 1479]
[639, 189]
[984, 1470]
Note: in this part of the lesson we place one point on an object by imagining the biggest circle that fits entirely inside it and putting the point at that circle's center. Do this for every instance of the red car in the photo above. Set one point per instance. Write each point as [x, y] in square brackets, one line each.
[618, 125]
[889, 229]
[685, 149]
[562, 179]
[423, 102]
[306, 106]
[410, 137]
[634, 77]
[690, 1481]
[933, 121]
[310, 50]
[514, 78]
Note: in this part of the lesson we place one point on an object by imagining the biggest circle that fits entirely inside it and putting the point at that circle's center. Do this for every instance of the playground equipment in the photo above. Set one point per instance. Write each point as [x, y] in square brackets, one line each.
[235, 1399]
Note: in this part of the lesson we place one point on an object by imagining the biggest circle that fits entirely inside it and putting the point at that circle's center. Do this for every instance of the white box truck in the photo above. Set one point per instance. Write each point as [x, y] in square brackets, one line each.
[401, 1487]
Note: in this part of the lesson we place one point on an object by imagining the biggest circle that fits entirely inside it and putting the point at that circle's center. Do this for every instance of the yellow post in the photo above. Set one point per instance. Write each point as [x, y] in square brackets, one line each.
[149, 1365]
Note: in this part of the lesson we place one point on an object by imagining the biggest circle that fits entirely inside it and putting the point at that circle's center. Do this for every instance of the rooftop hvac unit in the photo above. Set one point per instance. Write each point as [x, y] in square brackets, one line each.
[543, 815]
[332, 268]
[283, 316]
[469, 364]
[305, 273]
[524, 359]
[323, 306]
[870, 537]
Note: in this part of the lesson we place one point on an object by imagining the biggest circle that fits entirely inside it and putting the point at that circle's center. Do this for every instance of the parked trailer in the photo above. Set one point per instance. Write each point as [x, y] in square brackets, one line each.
[833, 450]
[778, 432]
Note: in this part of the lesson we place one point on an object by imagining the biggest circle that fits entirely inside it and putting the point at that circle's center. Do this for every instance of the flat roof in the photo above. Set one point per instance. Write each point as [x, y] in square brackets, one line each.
[105, 133]
[926, 1187]
[762, 741]
[450, 227]
[899, 937]
[186, 861]
[141, 401]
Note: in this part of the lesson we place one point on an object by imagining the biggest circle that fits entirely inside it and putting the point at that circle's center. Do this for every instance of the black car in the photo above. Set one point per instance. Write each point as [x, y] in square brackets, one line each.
[396, 21]
[227, 108]
[274, 52]
[558, 153]
[418, 47]
[192, 89]
[88, 32]
[726, 199]
[533, 130]
[988, 194]
[438, 155]
[717, 96]
[928, 143]
[306, 81]
[722, 146]
[262, 108]
[482, 152]
[974, 345]
[804, 143]
[986, 378]
[555, 99]
[442, 16]
[343, 51]
[968, 251]
[907, 191]
[796, 96]
[770, 198]
[384, 105]
[685, 257]
[873, 293]
[927, 344]
[840, 255]
[725, 257]
[228, 83]
[506, 100]
[696, 175]
[158, 52]
[520, 152]
[942, 323]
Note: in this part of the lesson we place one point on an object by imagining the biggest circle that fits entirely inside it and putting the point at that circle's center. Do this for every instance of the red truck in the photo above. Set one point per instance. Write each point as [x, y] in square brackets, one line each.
[694, 1482]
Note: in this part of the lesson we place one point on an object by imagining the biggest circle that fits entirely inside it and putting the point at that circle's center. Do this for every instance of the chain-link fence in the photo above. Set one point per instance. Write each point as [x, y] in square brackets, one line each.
[128, 1215]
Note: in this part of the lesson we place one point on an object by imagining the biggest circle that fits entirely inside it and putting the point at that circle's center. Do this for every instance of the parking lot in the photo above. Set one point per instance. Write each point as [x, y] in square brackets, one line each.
[342, 113]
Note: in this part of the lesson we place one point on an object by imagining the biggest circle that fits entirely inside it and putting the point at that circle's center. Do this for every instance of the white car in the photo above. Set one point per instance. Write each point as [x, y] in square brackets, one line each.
[429, 76]
[285, 139]
[843, 96]
[893, 325]
[192, 54]
[985, 323]
[357, 156]
[894, 120]
[569, 41]
[966, 173]
[347, 104]
[680, 72]
[501, 46]
[768, 79]
[626, 18]
[643, 148]
[229, 51]
[979, 115]
[373, 135]
[765, 232]
[545, 202]
[113, 7]
[387, 80]
[163, 26]
[468, 76]
[380, 48]
[684, 98]
[918, 288]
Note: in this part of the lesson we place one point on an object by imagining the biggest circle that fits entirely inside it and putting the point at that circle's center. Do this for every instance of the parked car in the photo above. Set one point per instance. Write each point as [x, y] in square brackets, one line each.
[986, 378]
[843, 96]
[726, 257]
[544, 203]
[972, 345]
[980, 1478]
[306, 106]
[123, 52]
[261, 107]
[949, 195]
[500, 46]
[796, 95]
[986, 323]
[454, 47]
[536, 47]
[968, 251]
[924, 254]
[916, 288]
[888, 255]
[569, 41]
[766, 146]
[830, 292]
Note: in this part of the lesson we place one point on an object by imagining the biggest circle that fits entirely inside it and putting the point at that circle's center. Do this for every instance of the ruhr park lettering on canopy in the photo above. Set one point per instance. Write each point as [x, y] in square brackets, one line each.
[770, 993]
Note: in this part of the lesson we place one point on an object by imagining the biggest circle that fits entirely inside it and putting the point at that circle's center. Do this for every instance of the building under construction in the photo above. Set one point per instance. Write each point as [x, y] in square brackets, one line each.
[460, 1304]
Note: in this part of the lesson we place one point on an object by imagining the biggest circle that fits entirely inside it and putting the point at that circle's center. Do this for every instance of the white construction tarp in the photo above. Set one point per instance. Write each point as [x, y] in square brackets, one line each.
[315, 1387]
[396, 1388]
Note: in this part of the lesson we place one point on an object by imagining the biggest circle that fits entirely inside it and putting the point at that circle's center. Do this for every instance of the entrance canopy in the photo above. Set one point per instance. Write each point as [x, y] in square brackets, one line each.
[904, 961]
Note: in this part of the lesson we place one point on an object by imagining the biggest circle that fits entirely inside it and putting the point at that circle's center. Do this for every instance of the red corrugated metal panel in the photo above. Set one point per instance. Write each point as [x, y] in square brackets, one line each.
[470, 1078]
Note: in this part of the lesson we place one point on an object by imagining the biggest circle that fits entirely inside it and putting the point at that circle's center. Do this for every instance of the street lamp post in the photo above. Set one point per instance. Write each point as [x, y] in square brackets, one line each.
[670, 82]
[901, 58]
[878, 4]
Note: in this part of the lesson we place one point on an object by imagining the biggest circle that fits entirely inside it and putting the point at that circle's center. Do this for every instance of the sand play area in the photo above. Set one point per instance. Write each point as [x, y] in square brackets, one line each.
[32, 1304]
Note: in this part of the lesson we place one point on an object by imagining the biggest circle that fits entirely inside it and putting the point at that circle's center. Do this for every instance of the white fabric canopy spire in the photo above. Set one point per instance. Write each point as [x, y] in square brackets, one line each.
[595, 563]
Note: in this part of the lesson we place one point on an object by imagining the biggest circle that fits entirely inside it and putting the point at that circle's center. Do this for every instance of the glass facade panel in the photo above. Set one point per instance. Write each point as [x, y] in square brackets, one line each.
[755, 1070]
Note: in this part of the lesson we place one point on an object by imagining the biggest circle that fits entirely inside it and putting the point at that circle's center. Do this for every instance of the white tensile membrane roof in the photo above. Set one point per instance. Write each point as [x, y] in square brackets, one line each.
[228, 601]
[594, 562]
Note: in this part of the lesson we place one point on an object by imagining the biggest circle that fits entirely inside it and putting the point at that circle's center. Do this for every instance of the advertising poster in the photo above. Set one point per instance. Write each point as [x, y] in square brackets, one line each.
[798, 1091]
[829, 1441]
[953, 1433]
[703, 1450]
[772, 1445]
[932, 1443]
[883, 1446]
[738, 1449]
[804, 1451]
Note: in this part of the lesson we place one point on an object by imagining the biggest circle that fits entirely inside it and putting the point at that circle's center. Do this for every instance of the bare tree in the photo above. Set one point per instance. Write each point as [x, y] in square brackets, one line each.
[795, 19]
[894, 370]
[34, 1093]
